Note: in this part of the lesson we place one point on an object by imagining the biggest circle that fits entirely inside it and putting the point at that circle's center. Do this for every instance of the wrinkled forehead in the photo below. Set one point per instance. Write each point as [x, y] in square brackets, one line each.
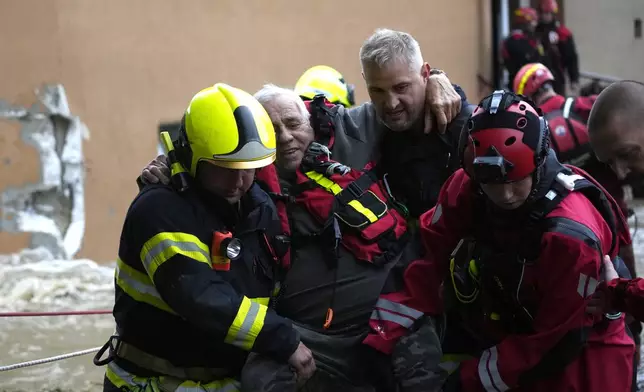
[284, 107]
[389, 74]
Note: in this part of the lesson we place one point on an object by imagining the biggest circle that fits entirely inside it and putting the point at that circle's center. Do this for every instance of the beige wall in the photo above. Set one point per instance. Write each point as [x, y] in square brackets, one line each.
[603, 31]
[126, 65]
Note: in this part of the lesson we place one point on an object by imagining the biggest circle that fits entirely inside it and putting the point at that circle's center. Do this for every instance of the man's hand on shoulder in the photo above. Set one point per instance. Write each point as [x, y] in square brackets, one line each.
[442, 103]
[157, 171]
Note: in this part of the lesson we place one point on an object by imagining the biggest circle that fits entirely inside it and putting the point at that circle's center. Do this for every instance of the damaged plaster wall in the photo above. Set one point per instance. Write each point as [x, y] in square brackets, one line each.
[53, 211]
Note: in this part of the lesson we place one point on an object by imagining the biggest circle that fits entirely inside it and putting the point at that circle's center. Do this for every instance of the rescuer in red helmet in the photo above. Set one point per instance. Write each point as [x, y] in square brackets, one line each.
[522, 46]
[518, 239]
[559, 46]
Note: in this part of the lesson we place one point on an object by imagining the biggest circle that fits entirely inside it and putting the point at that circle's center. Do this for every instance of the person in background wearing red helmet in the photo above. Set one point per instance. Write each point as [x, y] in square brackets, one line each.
[520, 238]
[559, 47]
[522, 46]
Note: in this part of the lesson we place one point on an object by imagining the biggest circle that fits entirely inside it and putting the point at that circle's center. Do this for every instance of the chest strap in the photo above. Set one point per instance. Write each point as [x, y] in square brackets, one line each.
[564, 183]
[349, 194]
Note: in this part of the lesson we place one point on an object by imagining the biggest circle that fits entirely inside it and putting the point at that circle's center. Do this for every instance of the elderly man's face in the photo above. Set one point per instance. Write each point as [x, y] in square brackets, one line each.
[397, 93]
[620, 145]
[293, 130]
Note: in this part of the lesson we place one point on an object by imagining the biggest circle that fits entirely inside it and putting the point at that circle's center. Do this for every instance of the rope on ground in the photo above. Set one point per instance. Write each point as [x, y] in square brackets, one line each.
[61, 313]
[48, 360]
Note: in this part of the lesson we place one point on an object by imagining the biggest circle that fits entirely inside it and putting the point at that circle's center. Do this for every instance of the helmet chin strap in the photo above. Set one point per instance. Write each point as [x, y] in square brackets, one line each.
[543, 176]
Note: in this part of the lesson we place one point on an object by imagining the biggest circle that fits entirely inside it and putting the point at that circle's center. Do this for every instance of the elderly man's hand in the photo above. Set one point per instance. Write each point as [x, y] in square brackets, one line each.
[156, 171]
[303, 363]
[442, 102]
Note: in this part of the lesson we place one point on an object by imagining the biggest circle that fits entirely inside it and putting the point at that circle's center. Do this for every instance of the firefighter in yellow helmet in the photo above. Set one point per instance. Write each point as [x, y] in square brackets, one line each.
[323, 79]
[194, 275]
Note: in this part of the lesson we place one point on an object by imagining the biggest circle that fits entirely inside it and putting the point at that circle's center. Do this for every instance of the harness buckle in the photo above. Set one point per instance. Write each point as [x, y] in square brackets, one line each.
[112, 346]
[613, 316]
[283, 239]
[355, 190]
[568, 181]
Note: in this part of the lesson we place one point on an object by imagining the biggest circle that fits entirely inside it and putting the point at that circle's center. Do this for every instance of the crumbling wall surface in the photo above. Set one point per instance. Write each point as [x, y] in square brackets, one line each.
[52, 210]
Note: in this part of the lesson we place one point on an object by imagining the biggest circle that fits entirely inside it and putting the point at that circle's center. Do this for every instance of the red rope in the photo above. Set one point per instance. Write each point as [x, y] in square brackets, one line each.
[61, 313]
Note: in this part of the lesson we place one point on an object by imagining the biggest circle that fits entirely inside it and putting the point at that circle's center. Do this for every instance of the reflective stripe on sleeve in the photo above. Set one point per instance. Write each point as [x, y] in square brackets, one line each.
[248, 323]
[163, 246]
[138, 286]
[489, 371]
[400, 314]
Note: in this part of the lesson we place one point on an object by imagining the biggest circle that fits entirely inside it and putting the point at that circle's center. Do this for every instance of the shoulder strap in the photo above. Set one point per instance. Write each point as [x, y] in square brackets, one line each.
[452, 136]
[357, 188]
[567, 107]
[267, 180]
[321, 120]
[566, 114]
[597, 197]
[562, 186]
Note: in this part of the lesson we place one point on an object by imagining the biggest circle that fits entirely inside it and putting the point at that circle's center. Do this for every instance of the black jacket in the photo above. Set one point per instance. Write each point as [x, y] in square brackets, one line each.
[171, 303]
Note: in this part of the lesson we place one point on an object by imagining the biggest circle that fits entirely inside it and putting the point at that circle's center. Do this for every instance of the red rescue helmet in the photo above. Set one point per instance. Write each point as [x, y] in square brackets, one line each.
[505, 139]
[530, 78]
[548, 6]
[525, 15]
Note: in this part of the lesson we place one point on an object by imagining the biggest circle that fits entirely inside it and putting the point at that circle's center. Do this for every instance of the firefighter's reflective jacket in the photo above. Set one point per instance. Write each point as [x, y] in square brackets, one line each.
[183, 307]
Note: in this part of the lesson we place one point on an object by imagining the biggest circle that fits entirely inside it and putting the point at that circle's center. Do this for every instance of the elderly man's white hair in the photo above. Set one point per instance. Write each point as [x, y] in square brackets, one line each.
[385, 46]
[270, 92]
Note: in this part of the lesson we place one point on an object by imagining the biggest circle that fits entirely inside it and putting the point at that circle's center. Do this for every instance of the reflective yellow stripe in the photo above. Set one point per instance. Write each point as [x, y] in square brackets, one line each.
[138, 286]
[163, 246]
[334, 188]
[261, 300]
[451, 362]
[176, 168]
[525, 78]
[247, 324]
[276, 289]
[122, 379]
[324, 182]
[363, 210]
